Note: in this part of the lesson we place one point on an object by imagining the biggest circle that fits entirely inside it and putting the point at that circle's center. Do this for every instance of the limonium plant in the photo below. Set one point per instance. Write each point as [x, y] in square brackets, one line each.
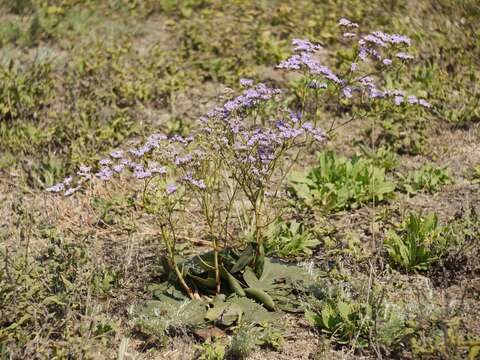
[243, 149]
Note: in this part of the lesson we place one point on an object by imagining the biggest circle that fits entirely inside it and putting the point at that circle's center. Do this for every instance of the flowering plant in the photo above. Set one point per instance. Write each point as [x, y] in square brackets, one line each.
[241, 151]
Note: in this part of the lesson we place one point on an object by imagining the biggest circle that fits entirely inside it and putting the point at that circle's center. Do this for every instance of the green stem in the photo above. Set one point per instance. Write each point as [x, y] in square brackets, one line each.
[173, 263]
[211, 225]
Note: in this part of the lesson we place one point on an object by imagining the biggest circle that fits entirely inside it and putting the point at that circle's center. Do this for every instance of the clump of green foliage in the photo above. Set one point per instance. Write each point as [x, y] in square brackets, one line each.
[383, 157]
[247, 338]
[290, 239]
[356, 314]
[211, 350]
[345, 322]
[243, 342]
[417, 244]
[428, 178]
[339, 183]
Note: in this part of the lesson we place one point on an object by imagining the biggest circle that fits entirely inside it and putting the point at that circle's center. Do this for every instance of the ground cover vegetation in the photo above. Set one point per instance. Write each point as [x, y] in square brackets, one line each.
[239, 179]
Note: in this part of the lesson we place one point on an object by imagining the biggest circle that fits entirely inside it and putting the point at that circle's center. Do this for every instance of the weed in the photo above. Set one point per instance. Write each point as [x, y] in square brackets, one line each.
[338, 183]
[382, 157]
[211, 351]
[243, 343]
[355, 314]
[427, 178]
[290, 239]
[345, 322]
[418, 244]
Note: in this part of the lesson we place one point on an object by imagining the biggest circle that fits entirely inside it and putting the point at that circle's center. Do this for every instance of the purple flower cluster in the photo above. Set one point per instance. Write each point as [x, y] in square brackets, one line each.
[170, 189]
[307, 60]
[404, 56]
[249, 98]
[56, 188]
[199, 183]
[246, 82]
[315, 84]
[377, 42]
[302, 45]
[119, 161]
[254, 151]
[347, 23]
[105, 173]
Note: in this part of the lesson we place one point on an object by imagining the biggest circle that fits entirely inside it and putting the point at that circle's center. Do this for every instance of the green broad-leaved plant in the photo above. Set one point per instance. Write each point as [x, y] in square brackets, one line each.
[338, 183]
[417, 245]
[428, 178]
[290, 239]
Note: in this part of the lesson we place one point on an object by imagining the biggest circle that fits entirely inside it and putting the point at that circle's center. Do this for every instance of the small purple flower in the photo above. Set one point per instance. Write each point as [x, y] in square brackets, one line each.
[387, 62]
[295, 116]
[170, 189]
[412, 99]
[367, 81]
[141, 173]
[118, 168]
[399, 39]
[154, 168]
[375, 93]
[140, 151]
[84, 169]
[308, 126]
[105, 162]
[375, 54]
[198, 183]
[305, 45]
[292, 63]
[318, 134]
[424, 103]
[181, 160]
[315, 84]
[354, 67]
[381, 35]
[56, 188]
[153, 141]
[398, 99]
[157, 137]
[84, 172]
[179, 139]
[71, 191]
[232, 105]
[404, 56]
[393, 92]
[374, 40]
[285, 133]
[362, 54]
[104, 174]
[349, 35]
[347, 92]
[116, 154]
[67, 180]
[347, 23]
[246, 82]
[327, 73]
